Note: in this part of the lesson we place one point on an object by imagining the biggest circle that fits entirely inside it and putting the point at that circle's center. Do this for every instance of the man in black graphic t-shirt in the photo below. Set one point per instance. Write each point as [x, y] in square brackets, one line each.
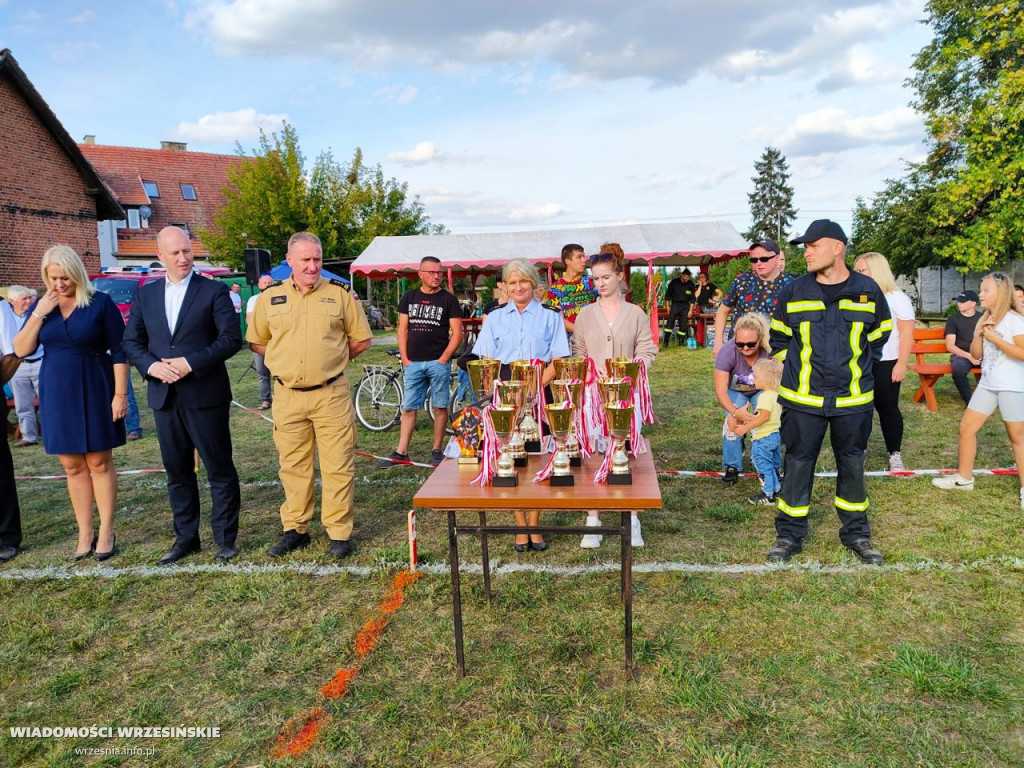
[429, 332]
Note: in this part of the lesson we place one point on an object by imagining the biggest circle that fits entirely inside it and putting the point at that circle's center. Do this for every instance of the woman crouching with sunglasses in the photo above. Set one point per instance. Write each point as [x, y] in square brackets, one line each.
[734, 385]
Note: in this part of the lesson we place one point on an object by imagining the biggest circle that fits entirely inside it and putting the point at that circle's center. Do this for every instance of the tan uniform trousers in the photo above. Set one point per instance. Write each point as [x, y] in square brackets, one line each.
[321, 419]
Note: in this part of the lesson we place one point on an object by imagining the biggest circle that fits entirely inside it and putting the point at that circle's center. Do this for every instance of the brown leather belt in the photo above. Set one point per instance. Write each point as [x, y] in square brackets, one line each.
[310, 389]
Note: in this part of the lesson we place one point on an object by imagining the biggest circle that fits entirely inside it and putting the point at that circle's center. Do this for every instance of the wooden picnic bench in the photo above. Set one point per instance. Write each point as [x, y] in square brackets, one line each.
[931, 341]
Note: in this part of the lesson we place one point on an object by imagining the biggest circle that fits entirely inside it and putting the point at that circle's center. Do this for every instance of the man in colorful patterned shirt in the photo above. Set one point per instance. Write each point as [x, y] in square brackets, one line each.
[574, 289]
[753, 291]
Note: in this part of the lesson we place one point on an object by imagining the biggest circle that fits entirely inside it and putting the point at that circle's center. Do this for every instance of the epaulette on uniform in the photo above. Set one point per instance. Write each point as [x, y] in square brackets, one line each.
[346, 286]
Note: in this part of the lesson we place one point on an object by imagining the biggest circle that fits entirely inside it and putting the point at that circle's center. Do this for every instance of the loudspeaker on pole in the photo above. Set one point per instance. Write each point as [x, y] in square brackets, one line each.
[257, 262]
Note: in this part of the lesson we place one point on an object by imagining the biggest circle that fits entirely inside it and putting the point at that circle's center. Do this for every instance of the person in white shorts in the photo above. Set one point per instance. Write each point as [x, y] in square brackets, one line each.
[999, 341]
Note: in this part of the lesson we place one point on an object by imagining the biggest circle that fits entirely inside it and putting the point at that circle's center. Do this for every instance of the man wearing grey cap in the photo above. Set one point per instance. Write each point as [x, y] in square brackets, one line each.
[828, 328]
[959, 335]
[753, 291]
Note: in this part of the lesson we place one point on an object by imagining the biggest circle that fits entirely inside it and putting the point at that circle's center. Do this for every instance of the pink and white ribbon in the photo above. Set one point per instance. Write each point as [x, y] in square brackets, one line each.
[642, 396]
[601, 476]
[582, 437]
[488, 451]
[593, 414]
[545, 473]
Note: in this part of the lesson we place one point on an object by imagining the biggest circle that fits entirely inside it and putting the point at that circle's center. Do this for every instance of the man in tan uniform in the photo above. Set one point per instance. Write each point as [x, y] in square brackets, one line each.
[308, 328]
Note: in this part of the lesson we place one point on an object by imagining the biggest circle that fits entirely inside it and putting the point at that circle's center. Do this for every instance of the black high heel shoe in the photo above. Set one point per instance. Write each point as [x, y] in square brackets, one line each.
[521, 547]
[101, 556]
[92, 547]
[537, 547]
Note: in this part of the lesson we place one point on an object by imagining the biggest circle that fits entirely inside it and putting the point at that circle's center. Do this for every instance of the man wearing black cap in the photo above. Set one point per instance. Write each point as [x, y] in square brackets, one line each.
[753, 291]
[959, 335]
[829, 328]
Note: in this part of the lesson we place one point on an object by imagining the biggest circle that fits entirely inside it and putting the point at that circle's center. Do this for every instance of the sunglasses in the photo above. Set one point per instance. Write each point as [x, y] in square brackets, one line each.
[747, 344]
[602, 257]
[762, 259]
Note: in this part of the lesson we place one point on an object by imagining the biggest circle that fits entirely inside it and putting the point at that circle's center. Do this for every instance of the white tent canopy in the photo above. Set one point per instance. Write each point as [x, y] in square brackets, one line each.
[689, 244]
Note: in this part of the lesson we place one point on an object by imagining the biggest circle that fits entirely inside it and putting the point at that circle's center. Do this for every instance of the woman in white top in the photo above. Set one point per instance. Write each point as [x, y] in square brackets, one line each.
[999, 342]
[611, 327]
[892, 368]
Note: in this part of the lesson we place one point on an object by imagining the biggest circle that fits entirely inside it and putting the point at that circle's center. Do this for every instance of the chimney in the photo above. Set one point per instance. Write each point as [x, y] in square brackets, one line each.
[174, 146]
[89, 138]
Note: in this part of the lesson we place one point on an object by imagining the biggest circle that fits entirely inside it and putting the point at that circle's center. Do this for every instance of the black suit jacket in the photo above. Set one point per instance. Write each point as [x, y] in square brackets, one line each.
[208, 332]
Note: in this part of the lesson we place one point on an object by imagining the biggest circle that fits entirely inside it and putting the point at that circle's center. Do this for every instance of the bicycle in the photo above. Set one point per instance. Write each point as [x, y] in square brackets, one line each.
[378, 396]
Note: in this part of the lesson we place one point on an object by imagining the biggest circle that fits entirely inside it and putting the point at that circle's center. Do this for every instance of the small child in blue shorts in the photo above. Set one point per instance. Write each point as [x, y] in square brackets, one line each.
[766, 448]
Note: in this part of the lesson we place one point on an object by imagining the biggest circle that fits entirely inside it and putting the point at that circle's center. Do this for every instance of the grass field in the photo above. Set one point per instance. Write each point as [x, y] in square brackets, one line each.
[821, 663]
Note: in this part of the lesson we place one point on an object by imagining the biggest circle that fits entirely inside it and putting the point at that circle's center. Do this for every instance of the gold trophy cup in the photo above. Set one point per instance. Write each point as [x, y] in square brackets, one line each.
[529, 375]
[562, 390]
[560, 421]
[469, 429]
[621, 367]
[512, 393]
[503, 419]
[613, 390]
[570, 367]
[619, 419]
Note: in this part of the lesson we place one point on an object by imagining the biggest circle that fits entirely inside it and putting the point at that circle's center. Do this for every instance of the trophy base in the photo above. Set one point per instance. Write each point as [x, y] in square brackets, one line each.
[575, 461]
[563, 480]
[624, 479]
[505, 482]
[475, 460]
[533, 446]
[520, 461]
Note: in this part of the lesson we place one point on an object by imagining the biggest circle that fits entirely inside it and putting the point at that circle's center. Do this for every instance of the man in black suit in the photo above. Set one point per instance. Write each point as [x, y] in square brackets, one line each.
[180, 332]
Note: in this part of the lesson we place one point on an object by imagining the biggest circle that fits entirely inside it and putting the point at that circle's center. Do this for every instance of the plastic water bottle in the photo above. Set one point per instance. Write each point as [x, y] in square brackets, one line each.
[691, 343]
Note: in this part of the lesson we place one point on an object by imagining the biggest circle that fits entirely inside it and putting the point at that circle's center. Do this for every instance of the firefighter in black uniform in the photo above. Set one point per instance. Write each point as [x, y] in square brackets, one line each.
[679, 297]
[828, 328]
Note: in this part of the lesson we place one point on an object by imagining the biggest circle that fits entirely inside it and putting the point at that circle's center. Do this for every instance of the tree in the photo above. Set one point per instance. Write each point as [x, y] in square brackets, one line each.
[965, 201]
[771, 202]
[345, 205]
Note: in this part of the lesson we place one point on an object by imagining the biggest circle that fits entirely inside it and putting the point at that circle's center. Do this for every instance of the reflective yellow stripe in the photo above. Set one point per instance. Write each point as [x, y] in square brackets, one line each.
[792, 511]
[857, 306]
[796, 397]
[781, 327]
[875, 335]
[780, 356]
[846, 402]
[856, 329]
[848, 506]
[805, 306]
[804, 377]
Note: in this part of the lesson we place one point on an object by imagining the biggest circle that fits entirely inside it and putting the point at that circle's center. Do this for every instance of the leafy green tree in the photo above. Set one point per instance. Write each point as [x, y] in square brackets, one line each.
[270, 196]
[771, 203]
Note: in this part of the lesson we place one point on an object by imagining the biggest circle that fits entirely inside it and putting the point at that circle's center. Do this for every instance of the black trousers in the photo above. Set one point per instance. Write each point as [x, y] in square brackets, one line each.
[887, 403]
[10, 511]
[802, 434]
[962, 376]
[677, 313]
[181, 431]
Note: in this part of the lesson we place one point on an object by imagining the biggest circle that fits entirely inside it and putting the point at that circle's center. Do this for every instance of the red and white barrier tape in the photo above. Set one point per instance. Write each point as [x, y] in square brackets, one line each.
[878, 473]
[252, 411]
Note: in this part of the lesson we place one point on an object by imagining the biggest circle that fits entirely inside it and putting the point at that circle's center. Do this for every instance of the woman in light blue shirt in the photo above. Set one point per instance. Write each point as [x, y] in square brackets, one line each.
[522, 329]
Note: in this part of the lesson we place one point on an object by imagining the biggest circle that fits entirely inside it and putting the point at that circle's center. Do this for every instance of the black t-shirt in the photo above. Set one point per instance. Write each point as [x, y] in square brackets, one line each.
[429, 315]
[832, 290]
[963, 327]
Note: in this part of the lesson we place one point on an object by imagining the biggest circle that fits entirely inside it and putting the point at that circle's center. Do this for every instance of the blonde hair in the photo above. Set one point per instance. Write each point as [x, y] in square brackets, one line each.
[521, 267]
[64, 256]
[1006, 299]
[881, 272]
[769, 369]
[756, 322]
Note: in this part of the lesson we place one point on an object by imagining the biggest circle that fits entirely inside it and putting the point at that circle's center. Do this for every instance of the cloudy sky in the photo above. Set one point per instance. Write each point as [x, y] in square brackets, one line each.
[507, 116]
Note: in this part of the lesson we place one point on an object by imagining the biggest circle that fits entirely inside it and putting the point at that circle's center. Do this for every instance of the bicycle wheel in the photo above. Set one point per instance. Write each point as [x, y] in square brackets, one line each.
[378, 401]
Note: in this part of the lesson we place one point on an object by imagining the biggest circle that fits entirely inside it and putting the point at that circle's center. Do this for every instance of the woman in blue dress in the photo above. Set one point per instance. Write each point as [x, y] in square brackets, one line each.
[83, 385]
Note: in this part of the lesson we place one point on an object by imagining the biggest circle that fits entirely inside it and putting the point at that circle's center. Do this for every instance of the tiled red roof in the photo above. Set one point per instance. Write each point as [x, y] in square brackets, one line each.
[125, 168]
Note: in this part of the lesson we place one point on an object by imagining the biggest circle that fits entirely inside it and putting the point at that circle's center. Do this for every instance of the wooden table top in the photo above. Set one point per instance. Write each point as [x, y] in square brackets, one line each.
[449, 488]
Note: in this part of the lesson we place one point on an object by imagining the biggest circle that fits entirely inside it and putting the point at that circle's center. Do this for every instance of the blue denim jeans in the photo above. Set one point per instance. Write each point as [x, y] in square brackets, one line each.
[766, 453]
[732, 444]
[417, 377]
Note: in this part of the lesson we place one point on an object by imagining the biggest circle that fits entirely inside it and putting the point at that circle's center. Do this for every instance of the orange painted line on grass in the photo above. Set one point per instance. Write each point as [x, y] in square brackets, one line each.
[301, 732]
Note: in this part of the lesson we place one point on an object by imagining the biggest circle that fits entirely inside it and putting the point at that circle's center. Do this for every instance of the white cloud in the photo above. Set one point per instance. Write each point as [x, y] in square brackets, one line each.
[427, 152]
[82, 17]
[833, 130]
[69, 53]
[662, 42]
[229, 126]
[861, 67]
[715, 178]
[473, 208]
[398, 94]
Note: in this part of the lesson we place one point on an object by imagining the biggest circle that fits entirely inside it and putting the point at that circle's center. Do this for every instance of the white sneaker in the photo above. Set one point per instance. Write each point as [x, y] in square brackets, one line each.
[1022, 498]
[949, 482]
[592, 540]
[896, 462]
[635, 535]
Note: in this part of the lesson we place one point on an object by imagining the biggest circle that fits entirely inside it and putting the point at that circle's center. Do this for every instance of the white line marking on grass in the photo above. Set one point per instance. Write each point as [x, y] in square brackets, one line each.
[499, 567]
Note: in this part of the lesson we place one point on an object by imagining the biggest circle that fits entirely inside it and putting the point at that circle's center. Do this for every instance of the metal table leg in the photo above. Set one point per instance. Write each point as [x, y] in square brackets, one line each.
[453, 559]
[627, 586]
[486, 556]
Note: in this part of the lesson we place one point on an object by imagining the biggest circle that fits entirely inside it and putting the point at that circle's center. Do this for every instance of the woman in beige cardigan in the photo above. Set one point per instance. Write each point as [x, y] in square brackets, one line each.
[611, 327]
